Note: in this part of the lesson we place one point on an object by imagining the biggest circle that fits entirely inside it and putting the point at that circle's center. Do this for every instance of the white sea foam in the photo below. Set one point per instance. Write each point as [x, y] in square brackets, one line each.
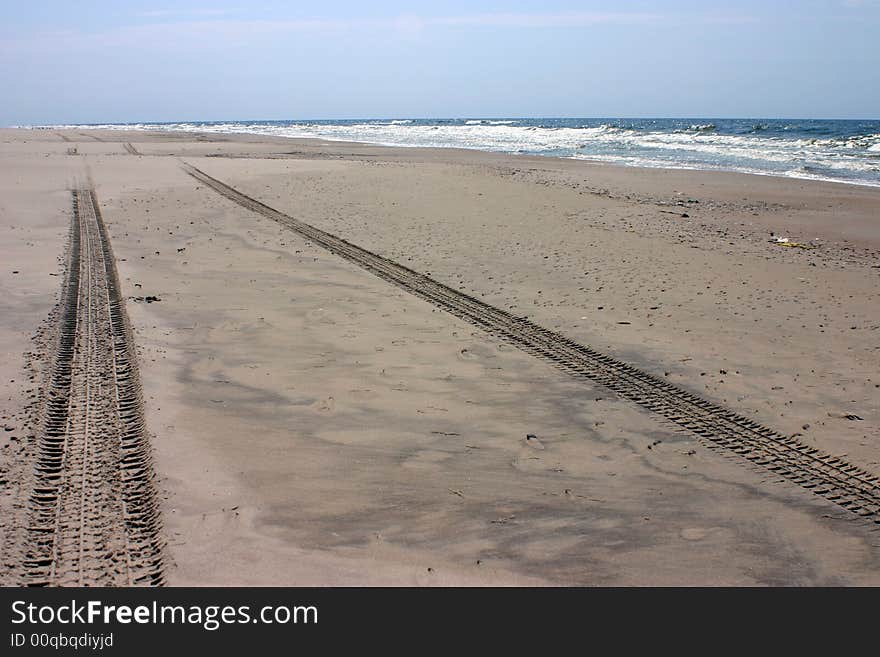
[391, 122]
[490, 122]
[699, 146]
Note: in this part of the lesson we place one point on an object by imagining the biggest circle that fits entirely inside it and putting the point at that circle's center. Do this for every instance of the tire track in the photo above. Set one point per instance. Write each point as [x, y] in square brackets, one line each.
[93, 516]
[848, 486]
[131, 149]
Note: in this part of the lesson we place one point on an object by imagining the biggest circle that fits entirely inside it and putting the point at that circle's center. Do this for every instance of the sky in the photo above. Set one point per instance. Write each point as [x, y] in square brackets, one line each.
[181, 60]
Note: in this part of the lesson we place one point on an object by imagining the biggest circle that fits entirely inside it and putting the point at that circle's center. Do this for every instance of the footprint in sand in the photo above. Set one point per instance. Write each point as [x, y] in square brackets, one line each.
[467, 354]
[319, 315]
[695, 533]
[327, 405]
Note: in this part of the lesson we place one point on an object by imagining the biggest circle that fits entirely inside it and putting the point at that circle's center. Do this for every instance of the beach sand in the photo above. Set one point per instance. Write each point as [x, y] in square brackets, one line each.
[315, 425]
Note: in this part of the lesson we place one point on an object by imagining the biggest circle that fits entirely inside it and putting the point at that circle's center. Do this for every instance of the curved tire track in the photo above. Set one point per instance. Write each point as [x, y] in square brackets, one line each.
[832, 478]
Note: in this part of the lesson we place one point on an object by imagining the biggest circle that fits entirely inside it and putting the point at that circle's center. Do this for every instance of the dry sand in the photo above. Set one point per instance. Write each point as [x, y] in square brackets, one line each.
[314, 425]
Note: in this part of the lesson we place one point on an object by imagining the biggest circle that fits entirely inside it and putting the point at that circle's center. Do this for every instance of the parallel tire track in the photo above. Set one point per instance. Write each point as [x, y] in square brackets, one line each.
[93, 509]
[832, 478]
[131, 149]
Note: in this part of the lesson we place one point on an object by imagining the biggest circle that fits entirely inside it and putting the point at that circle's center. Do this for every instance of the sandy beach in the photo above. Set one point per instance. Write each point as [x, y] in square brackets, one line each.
[313, 424]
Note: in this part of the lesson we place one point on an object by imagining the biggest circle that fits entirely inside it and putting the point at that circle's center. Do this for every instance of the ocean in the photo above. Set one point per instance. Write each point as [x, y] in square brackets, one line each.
[837, 150]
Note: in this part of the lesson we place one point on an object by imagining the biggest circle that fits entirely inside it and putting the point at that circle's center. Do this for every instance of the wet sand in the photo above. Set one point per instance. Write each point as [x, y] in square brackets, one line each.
[314, 425]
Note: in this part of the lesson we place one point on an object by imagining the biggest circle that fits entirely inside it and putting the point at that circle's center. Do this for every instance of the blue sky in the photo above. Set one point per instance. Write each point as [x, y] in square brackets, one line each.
[228, 59]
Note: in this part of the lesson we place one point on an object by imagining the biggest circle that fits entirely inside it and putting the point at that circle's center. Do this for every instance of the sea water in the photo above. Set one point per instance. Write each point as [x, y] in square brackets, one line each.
[837, 150]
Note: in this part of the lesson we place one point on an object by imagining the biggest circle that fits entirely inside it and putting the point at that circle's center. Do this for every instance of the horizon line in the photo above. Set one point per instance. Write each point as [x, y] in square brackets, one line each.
[455, 118]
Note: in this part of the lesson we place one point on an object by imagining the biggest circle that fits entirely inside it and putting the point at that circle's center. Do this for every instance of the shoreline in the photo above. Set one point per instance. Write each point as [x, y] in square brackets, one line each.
[326, 140]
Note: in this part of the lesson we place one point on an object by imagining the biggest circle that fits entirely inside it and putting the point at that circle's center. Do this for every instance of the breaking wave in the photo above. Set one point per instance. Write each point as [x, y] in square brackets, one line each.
[843, 151]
